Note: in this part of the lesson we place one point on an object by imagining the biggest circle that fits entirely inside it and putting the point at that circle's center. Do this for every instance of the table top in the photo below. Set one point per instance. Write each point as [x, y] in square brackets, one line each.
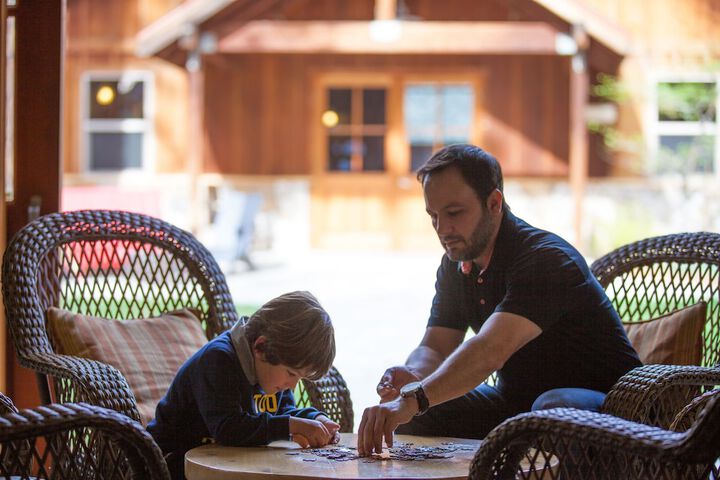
[286, 460]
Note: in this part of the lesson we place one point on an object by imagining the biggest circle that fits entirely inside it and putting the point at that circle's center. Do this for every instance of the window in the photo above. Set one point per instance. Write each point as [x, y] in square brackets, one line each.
[436, 114]
[117, 121]
[685, 119]
[355, 122]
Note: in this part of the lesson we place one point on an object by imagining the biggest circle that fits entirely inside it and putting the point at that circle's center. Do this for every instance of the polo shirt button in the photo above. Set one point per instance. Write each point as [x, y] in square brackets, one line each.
[480, 280]
[482, 301]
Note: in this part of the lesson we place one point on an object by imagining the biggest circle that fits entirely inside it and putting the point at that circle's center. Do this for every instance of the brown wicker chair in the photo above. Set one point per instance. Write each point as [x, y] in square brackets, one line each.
[74, 441]
[117, 265]
[649, 278]
[569, 444]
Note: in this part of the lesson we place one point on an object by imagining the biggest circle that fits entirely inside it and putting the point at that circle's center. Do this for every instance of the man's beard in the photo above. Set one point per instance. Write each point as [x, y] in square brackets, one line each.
[479, 241]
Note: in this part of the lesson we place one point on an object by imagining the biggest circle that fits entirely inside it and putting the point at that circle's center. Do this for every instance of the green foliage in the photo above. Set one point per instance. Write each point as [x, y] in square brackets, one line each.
[245, 309]
[609, 88]
[686, 102]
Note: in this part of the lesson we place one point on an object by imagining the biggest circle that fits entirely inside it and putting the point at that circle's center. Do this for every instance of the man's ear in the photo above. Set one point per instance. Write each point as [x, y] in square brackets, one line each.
[494, 201]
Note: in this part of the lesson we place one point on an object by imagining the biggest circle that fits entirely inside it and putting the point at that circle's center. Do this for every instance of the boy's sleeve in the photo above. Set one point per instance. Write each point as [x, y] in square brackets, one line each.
[287, 407]
[218, 392]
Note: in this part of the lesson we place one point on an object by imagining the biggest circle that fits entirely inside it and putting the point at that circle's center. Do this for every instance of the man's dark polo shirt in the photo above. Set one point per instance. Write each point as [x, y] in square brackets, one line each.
[538, 275]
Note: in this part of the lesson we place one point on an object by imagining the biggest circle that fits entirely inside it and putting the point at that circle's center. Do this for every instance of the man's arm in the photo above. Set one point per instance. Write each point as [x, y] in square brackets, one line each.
[437, 344]
[469, 365]
[500, 337]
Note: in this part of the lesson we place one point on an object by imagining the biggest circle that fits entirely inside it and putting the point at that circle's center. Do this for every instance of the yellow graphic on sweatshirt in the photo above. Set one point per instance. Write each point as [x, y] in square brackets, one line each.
[265, 403]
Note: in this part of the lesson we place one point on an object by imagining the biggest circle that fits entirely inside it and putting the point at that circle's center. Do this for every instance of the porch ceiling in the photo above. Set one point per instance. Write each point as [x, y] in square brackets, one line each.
[241, 26]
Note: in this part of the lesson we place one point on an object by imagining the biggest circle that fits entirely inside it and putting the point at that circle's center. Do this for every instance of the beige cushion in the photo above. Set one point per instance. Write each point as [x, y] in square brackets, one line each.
[673, 339]
[148, 351]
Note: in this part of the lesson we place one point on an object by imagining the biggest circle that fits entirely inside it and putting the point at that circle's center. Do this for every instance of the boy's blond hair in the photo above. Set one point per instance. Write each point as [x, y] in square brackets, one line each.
[299, 333]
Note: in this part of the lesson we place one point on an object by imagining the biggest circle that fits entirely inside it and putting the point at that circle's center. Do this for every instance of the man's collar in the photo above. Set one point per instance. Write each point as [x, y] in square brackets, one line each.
[243, 350]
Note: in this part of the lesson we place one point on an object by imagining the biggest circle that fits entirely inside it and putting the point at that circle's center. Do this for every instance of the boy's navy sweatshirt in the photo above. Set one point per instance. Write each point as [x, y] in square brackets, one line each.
[215, 398]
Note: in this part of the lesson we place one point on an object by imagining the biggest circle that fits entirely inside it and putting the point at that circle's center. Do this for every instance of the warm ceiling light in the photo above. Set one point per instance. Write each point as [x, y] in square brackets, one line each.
[330, 118]
[105, 95]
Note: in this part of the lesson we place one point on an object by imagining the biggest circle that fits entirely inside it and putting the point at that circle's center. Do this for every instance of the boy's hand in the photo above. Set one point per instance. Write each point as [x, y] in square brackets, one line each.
[331, 426]
[313, 432]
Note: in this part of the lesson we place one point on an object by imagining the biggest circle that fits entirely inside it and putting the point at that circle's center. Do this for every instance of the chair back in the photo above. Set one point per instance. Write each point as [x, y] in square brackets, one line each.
[658, 275]
[109, 264]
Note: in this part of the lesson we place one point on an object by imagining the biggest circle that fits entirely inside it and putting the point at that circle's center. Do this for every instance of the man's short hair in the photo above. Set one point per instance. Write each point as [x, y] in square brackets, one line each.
[480, 170]
[299, 333]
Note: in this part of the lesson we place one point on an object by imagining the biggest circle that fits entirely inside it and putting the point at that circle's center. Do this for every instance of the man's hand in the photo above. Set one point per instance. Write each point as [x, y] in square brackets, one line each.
[393, 380]
[380, 421]
[331, 426]
[309, 433]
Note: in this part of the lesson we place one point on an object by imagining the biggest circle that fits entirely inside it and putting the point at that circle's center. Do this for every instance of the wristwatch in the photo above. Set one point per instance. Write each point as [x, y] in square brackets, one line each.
[415, 389]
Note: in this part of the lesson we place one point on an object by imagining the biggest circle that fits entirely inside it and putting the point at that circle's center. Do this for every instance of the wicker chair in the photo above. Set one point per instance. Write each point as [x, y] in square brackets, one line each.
[117, 265]
[74, 441]
[649, 278]
[568, 443]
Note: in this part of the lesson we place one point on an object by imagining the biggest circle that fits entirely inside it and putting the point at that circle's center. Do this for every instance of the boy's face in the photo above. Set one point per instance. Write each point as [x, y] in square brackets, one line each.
[273, 378]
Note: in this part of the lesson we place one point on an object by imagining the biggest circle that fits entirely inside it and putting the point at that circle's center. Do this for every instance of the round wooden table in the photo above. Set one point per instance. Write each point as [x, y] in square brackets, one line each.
[285, 461]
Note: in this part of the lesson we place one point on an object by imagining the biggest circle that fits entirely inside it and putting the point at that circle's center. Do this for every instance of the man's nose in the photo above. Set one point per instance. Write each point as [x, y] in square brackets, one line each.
[442, 227]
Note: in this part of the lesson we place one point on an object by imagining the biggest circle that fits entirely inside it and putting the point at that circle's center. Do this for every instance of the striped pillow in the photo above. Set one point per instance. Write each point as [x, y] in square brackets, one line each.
[148, 351]
[673, 339]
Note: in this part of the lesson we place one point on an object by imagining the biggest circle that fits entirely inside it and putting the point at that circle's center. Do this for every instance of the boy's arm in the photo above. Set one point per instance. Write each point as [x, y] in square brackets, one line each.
[287, 407]
[218, 386]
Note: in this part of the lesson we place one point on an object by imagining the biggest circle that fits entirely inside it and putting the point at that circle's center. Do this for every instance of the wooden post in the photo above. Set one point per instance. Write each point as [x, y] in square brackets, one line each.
[197, 134]
[385, 9]
[579, 90]
[39, 50]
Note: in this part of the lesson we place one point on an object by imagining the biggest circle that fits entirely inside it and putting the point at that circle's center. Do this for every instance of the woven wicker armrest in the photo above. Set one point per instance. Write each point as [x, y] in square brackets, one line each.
[80, 441]
[331, 395]
[576, 444]
[85, 380]
[654, 394]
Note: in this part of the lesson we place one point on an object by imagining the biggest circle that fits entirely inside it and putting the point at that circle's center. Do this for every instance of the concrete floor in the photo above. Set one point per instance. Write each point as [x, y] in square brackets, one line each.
[379, 303]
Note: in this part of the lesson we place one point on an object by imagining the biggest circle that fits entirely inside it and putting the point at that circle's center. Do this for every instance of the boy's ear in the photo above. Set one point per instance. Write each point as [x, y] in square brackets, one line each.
[259, 347]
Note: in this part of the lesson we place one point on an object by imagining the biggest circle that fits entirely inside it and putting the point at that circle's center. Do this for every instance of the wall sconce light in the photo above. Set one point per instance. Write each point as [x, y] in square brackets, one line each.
[105, 95]
[330, 118]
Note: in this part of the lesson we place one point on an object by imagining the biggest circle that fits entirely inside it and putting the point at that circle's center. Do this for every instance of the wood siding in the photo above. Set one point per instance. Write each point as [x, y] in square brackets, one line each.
[259, 109]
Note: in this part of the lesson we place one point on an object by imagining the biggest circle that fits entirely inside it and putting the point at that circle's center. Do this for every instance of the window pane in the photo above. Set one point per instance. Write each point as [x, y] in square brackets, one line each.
[374, 106]
[115, 151]
[116, 99]
[339, 153]
[418, 155]
[373, 153]
[340, 101]
[457, 111]
[687, 102]
[420, 107]
[684, 153]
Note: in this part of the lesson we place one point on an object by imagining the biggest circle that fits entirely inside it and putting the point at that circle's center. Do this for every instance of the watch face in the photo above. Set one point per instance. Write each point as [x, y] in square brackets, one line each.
[410, 388]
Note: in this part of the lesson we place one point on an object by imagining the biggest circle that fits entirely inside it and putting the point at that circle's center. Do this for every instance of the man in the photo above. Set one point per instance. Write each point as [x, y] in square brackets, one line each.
[541, 319]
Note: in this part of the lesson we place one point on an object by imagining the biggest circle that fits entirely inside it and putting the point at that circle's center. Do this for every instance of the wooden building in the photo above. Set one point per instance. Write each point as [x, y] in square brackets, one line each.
[354, 95]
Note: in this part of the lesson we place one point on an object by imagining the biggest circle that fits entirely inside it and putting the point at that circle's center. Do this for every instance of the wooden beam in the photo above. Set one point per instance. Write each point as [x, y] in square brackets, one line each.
[490, 38]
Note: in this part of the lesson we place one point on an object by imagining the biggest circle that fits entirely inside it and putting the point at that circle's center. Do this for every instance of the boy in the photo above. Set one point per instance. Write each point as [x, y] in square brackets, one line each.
[237, 389]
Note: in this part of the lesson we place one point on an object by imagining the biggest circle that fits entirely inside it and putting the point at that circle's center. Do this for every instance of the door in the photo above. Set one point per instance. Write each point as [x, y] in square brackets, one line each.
[370, 133]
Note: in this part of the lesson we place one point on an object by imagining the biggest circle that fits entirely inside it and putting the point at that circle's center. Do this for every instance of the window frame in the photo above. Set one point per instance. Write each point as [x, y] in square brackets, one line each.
[145, 125]
[323, 84]
[440, 82]
[658, 128]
